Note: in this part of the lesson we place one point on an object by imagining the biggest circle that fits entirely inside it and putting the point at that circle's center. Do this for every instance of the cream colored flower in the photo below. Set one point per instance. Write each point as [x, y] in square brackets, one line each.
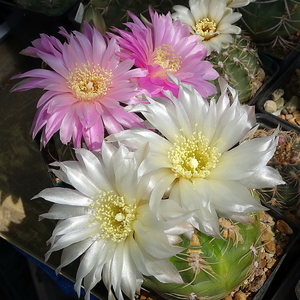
[198, 159]
[210, 19]
[106, 219]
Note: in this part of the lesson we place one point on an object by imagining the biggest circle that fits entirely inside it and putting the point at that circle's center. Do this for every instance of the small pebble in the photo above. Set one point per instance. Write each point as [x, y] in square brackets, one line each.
[279, 102]
[289, 116]
[293, 104]
[271, 263]
[270, 106]
[283, 227]
[240, 296]
[296, 113]
[270, 247]
[277, 94]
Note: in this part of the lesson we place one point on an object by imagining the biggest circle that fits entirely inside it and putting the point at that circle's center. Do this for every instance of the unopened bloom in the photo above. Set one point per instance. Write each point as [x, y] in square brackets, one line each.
[197, 158]
[84, 88]
[211, 20]
[163, 47]
[106, 220]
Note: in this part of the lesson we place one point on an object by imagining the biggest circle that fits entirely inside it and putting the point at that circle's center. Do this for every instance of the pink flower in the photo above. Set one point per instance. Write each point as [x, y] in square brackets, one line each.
[86, 90]
[163, 47]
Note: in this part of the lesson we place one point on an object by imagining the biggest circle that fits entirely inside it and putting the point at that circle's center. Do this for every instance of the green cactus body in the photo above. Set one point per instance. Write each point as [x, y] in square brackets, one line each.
[273, 23]
[240, 66]
[206, 266]
[286, 160]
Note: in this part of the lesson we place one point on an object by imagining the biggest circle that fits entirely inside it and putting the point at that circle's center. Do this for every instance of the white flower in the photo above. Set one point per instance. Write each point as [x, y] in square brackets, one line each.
[198, 159]
[211, 20]
[107, 219]
[238, 3]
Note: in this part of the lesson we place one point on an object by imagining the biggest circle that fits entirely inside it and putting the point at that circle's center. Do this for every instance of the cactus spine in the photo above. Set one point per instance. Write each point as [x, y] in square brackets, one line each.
[206, 264]
[272, 24]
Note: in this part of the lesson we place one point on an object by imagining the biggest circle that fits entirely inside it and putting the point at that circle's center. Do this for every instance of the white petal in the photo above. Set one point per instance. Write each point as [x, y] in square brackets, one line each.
[172, 212]
[183, 14]
[72, 252]
[94, 168]
[245, 159]
[71, 224]
[263, 178]
[162, 182]
[64, 196]
[180, 228]
[71, 238]
[161, 114]
[161, 248]
[231, 197]
[131, 276]
[78, 178]
[206, 219]
[138, 137]
[169, 274]
[232, 121]
[58, 211]
[97, 252]
[138, 256]
[193, 195]
[60, 174]
[116, 264]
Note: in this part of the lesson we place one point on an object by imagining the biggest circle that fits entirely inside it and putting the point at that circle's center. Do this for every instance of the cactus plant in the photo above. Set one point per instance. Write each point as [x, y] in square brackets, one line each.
[286, 160]
[272, 24]
[239, 64]
[114, 12]
[206, 264]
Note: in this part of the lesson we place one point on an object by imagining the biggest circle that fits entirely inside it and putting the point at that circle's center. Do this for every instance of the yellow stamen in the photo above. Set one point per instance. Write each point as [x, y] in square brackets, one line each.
[89, 82]
[206, 28]
[114, 216]
[165, 57]
[192, 157]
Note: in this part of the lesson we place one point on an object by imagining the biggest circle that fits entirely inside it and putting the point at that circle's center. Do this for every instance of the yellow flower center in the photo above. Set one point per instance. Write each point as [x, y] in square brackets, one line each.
[192, 157]
[114, 216]
[89, 82]
[165, 57]
[206, 28]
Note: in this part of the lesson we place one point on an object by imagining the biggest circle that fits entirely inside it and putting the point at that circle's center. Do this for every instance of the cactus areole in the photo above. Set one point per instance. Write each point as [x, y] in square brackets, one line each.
[212, 268]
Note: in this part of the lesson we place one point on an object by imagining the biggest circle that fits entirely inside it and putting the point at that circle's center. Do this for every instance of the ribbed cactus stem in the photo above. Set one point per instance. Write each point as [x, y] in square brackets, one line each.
[206, 265]
[239, 64]
[272, 23]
